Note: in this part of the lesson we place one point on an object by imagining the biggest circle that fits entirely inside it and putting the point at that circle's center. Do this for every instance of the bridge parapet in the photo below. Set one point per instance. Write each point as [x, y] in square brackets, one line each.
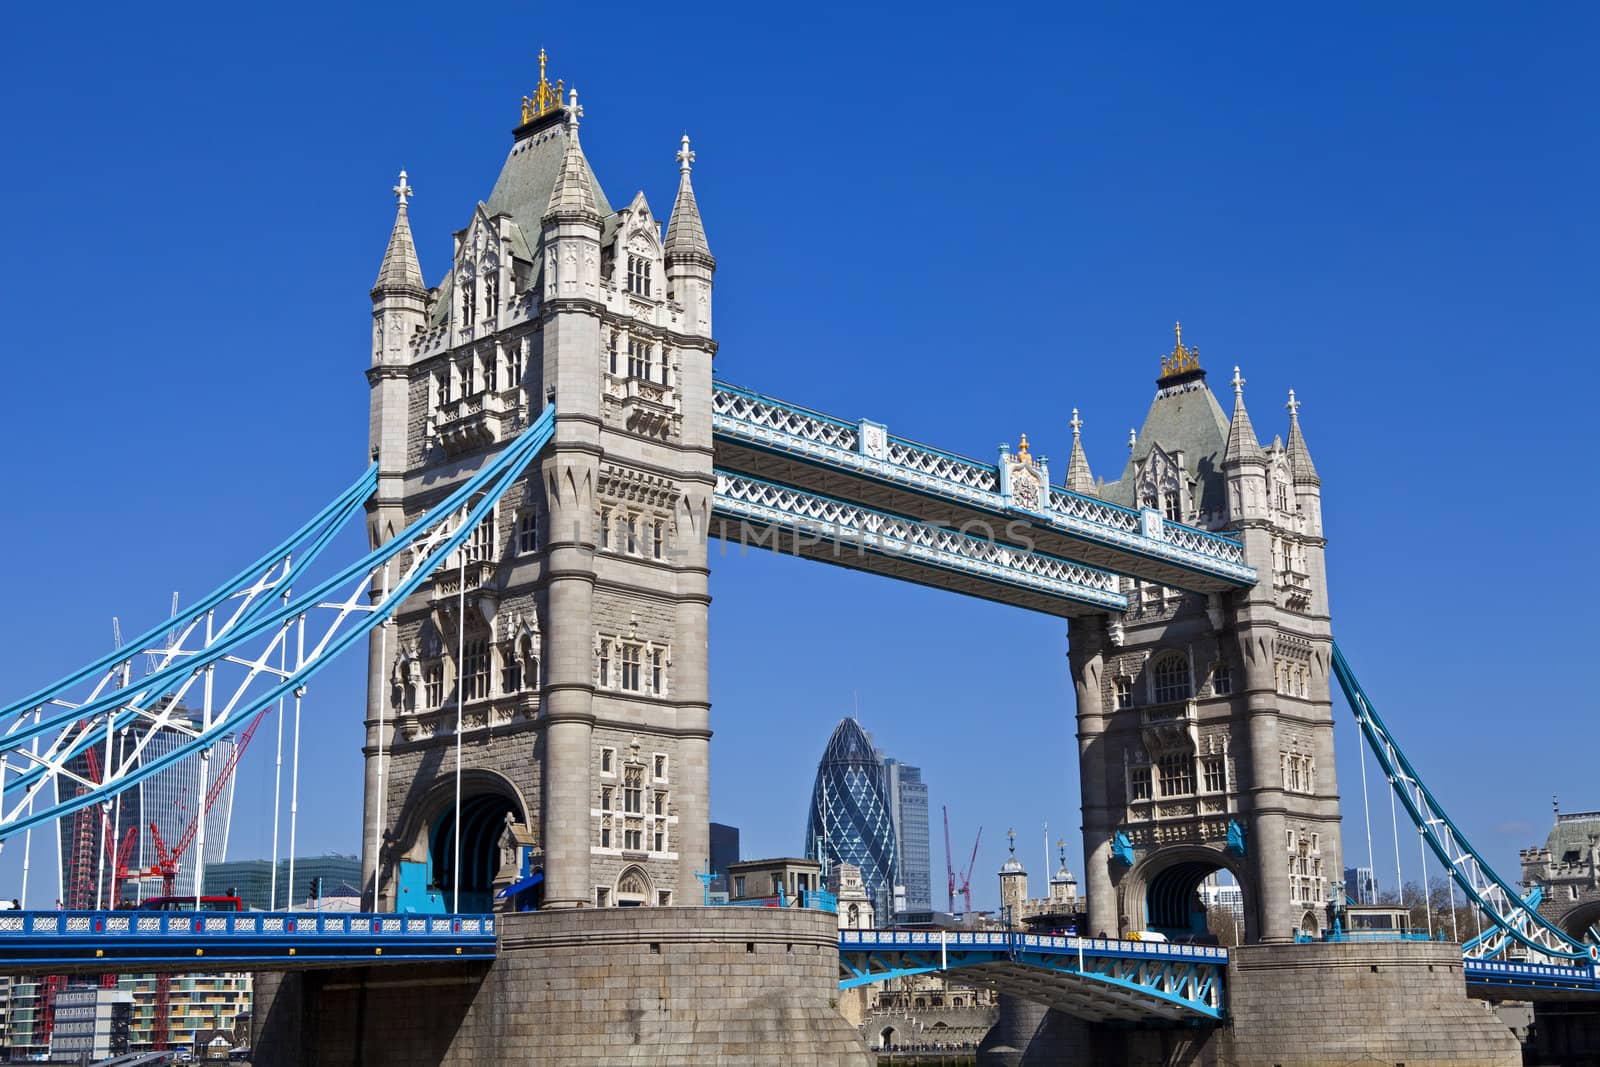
[33, 941]
[1096, 978]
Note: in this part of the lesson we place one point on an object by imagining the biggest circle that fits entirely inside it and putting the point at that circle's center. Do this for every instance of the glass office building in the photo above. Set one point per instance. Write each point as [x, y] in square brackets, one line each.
[850, 819]
[908, 800]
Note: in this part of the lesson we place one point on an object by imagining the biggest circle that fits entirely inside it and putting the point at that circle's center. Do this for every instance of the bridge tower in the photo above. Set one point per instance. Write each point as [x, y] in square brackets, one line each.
[1205, 722]
[568, 636]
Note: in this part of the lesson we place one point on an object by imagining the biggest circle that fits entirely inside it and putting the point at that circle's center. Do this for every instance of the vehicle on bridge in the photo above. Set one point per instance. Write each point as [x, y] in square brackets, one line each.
[175, 903]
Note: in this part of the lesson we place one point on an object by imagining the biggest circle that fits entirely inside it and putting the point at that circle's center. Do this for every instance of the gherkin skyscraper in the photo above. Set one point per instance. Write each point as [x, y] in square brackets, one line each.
[850, 818]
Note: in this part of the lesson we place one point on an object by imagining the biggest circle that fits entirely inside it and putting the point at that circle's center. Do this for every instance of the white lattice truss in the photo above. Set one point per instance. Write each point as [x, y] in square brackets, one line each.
[233, 655]
[832, 525]
[774, 426]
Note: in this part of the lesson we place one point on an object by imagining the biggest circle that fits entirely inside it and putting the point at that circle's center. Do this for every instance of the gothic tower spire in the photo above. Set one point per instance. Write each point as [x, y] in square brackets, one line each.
[1242, 443]
[1079, 479]
[400, 272]
[688, 258]
[1299, 455]
[685, 233]
[573, 193]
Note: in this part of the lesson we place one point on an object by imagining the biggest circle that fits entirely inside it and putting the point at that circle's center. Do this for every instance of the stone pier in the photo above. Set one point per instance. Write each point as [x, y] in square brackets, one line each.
[1312, 1005]
[582, 988]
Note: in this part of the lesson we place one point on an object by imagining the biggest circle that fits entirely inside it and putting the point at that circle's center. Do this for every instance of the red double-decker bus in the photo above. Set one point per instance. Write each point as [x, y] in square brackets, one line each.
[187, 904]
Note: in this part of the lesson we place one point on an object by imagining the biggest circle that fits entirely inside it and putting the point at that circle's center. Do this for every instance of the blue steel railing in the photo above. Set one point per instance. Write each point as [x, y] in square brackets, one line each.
[1533, 976]
[119, 940]
[1001, 939]
[1132, 978]
[18, 926]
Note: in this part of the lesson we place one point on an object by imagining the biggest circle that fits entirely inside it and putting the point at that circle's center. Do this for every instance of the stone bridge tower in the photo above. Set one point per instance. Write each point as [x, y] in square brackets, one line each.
[571, 635]
[1205, 723]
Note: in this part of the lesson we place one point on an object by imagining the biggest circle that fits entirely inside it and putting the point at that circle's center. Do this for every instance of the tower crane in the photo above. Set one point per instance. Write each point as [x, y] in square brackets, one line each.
[169, 863]
[965, 887]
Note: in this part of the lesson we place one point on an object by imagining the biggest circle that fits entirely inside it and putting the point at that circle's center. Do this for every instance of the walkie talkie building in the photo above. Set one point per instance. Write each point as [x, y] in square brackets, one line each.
[850, 818]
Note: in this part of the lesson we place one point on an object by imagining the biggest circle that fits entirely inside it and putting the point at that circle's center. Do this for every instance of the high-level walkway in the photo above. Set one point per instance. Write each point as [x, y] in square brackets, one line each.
[926, 515]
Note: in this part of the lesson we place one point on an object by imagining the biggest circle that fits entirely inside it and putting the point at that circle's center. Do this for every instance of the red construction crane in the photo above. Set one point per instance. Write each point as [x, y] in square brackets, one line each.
[966, 879]
[949, 867]
[170, 861]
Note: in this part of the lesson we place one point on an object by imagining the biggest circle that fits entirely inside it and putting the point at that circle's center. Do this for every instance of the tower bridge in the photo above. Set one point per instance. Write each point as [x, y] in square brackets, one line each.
[551, 456]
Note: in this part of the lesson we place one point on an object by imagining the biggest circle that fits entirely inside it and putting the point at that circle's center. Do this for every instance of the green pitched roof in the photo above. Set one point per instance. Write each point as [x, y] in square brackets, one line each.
[523, 191]
[1189, 419]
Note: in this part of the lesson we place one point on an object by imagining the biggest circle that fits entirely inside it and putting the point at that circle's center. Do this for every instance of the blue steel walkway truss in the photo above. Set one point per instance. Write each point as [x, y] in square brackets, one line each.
[1091, 978]
[833, 531]
[860, 463]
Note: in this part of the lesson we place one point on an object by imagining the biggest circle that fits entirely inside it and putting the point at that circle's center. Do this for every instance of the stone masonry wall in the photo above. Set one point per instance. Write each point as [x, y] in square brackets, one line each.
[583, 988]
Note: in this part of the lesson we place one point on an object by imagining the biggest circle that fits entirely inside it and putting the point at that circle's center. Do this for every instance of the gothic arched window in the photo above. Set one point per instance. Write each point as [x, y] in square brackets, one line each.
[1222, 679]
[1171, 678]
[1174, 506]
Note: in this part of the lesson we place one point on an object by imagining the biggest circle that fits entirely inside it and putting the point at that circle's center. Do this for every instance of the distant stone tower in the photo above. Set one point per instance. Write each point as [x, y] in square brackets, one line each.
[1205, 723]
[1013, 886]
[579, 660]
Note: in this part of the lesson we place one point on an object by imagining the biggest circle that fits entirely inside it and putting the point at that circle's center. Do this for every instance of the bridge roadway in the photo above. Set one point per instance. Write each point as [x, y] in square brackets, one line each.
[1145, 982]
[1100, 979]
[841, 464]
[95, 942]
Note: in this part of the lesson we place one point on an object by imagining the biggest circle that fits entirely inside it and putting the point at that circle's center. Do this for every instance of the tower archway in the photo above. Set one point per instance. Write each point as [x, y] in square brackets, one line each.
[1162, 892]
[493, 817]
[1581, 920]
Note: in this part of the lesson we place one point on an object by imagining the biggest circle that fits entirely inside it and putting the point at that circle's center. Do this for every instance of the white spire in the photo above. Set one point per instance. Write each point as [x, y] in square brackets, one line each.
[686, 234]
[400, 270]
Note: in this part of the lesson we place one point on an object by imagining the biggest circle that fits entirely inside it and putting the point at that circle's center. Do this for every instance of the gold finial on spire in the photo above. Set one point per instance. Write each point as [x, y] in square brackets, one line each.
[1183, 358]
[1022, 451]
[544, 99]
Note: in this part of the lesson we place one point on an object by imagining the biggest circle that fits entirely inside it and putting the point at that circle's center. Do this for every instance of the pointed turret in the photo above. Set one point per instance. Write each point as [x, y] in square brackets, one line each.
[686, 235]
[1299, 456]
[1242, 443]
[400, 272]
[689, 262]
[573, 193]
[1079, 479]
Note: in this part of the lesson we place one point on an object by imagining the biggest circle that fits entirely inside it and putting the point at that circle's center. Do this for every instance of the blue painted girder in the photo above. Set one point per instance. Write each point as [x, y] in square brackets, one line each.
[749, 512]
[1103, 979]
[114, 941]
[763, 437]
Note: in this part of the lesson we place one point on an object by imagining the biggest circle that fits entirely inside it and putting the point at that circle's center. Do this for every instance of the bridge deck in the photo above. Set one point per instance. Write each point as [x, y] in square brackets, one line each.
[91, 942]
[1092, 978]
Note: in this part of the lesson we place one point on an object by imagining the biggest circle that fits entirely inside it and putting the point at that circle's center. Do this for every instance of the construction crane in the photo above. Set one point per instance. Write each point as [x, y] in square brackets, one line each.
[965, 887]
[169, 861]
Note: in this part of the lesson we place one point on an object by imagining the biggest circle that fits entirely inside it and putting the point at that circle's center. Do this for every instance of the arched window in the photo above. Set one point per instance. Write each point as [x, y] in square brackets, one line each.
[633, 888]
[1124, 690]
[1171, 677]
[1174, 507]
[1222, 679]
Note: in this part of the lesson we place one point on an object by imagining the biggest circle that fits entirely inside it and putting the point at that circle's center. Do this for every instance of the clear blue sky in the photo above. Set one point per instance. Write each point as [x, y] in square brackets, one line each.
[963, 226]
